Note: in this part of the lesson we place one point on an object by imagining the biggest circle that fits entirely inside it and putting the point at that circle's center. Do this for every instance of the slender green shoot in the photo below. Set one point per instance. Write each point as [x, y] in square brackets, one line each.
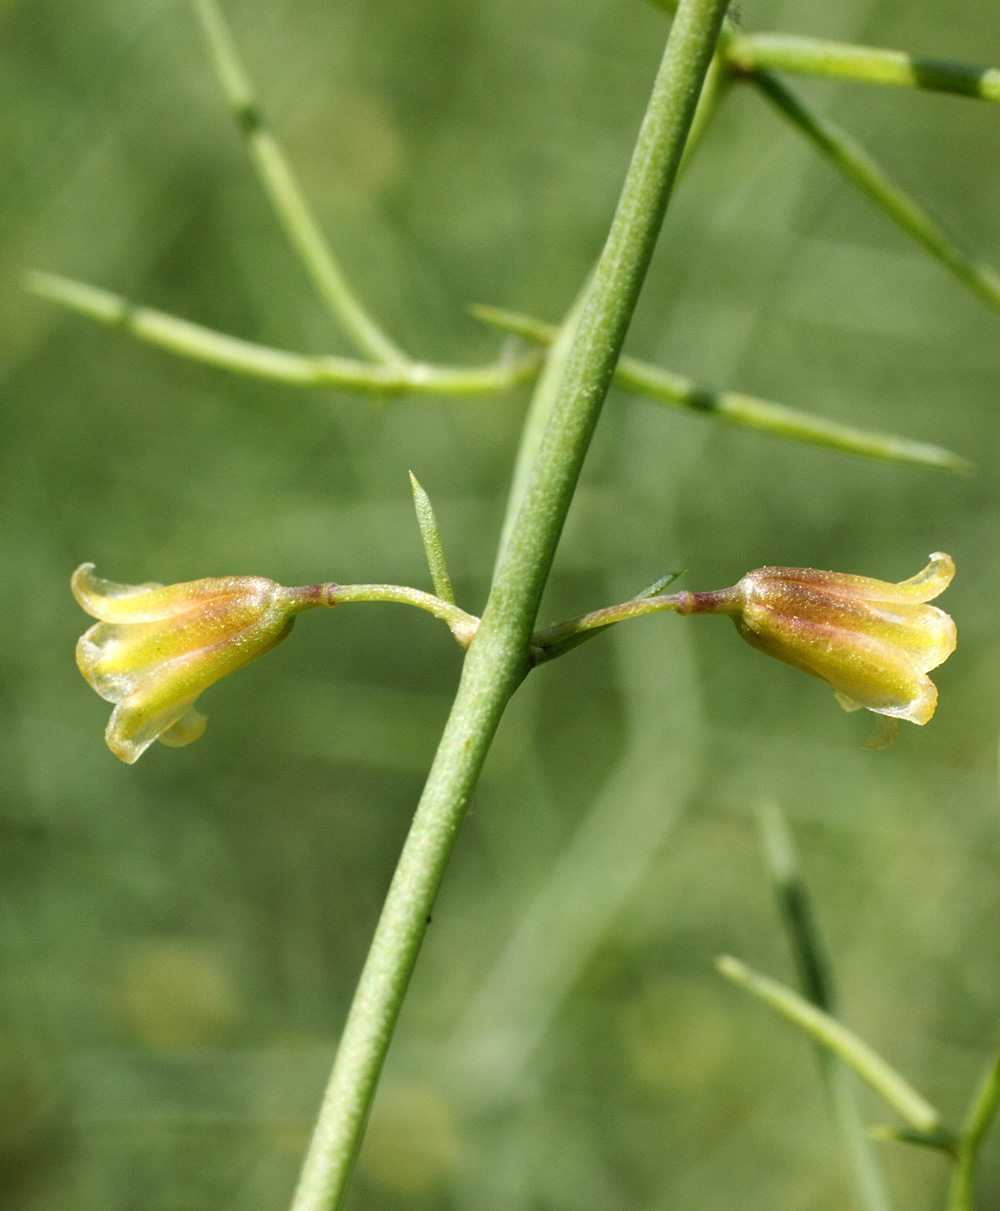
[795, 906]
[716, 85]
[865, 64]
[980, 1118]
[286, 197]
[906, 1135]
[816, 978]
[868, 176]
[276, 365]
[561, 638]
[843, 1043]
[746, 411]
[499, 659]
[432, 541]
[461, 624]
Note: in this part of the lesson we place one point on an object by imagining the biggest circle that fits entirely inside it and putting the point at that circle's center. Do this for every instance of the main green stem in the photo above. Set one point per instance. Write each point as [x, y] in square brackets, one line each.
[499, 656]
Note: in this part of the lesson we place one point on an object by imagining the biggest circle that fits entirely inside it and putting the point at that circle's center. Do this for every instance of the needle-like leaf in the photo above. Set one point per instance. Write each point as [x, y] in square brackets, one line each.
[432, 541]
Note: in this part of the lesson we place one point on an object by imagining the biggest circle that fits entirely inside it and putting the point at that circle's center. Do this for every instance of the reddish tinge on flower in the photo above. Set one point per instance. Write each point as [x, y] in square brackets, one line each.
[155, 649]
[873, 642]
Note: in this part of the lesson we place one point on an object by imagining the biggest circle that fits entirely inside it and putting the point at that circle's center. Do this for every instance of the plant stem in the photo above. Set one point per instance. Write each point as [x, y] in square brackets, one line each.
[462, 625]
[555, 640]
[747, 411]
[543, 400]
[498, 658]
[287, 199]
[872, 180]
[866, 64]
[717, 82]
[845, 1044]
[277, 365]
[981, 1115]
[816, 978]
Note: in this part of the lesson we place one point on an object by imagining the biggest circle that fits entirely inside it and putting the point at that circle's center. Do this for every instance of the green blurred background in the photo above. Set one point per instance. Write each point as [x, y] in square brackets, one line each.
[179, 940]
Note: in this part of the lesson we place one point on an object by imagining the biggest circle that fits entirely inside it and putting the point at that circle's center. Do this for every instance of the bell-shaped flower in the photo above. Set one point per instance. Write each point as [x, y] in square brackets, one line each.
[873, 642]
[156, 648]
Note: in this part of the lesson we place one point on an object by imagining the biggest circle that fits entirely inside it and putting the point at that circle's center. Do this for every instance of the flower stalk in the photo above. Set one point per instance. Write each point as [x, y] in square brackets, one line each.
[872, 641]
[461, 624]
[155, 649]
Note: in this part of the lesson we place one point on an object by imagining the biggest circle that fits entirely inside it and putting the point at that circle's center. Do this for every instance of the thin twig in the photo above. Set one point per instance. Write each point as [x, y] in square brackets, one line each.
[867, 175]
[981, 1114]
[747, 411]
[276, 365]
[816, 978]
[286, 197]
[845, 1044]
[864, 64]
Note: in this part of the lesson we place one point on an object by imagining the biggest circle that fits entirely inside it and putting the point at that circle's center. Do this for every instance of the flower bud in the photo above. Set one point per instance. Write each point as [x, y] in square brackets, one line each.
[873, 642]
[155, 649]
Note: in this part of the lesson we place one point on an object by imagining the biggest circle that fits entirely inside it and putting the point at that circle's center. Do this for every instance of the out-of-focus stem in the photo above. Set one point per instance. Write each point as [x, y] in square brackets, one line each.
[713, 90]
[867, 175]
[289, 203]
[543, 400]
[865, 64]
[981, 1115]
[276, 365]
[816, 977]
[845, 1044]
[747, 411]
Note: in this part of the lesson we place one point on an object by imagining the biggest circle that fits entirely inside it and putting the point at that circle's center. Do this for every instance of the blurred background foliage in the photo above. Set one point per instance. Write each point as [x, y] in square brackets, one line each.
[179, 940]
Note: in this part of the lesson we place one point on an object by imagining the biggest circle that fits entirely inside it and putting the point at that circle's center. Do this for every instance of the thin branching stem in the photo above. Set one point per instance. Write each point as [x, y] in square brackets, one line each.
[747, 411]
[868, 176]
[845, 1044]
[716, 84]
[202, 344]
[498, 658]
[981, 1114]
[815, 970]
[286, 197]
[556, 640]
[865, 64]
[543, 399]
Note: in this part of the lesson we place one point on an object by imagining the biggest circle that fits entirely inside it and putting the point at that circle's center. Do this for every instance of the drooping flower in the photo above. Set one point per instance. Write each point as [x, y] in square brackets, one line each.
[156, 648]
[872, 641]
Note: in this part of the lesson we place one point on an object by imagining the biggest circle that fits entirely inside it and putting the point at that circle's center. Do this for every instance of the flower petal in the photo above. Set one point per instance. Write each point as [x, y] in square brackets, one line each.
[883, 734]
[929, 583]
[925, 586]
[186, 730]
[132, 728]
[128, 603]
